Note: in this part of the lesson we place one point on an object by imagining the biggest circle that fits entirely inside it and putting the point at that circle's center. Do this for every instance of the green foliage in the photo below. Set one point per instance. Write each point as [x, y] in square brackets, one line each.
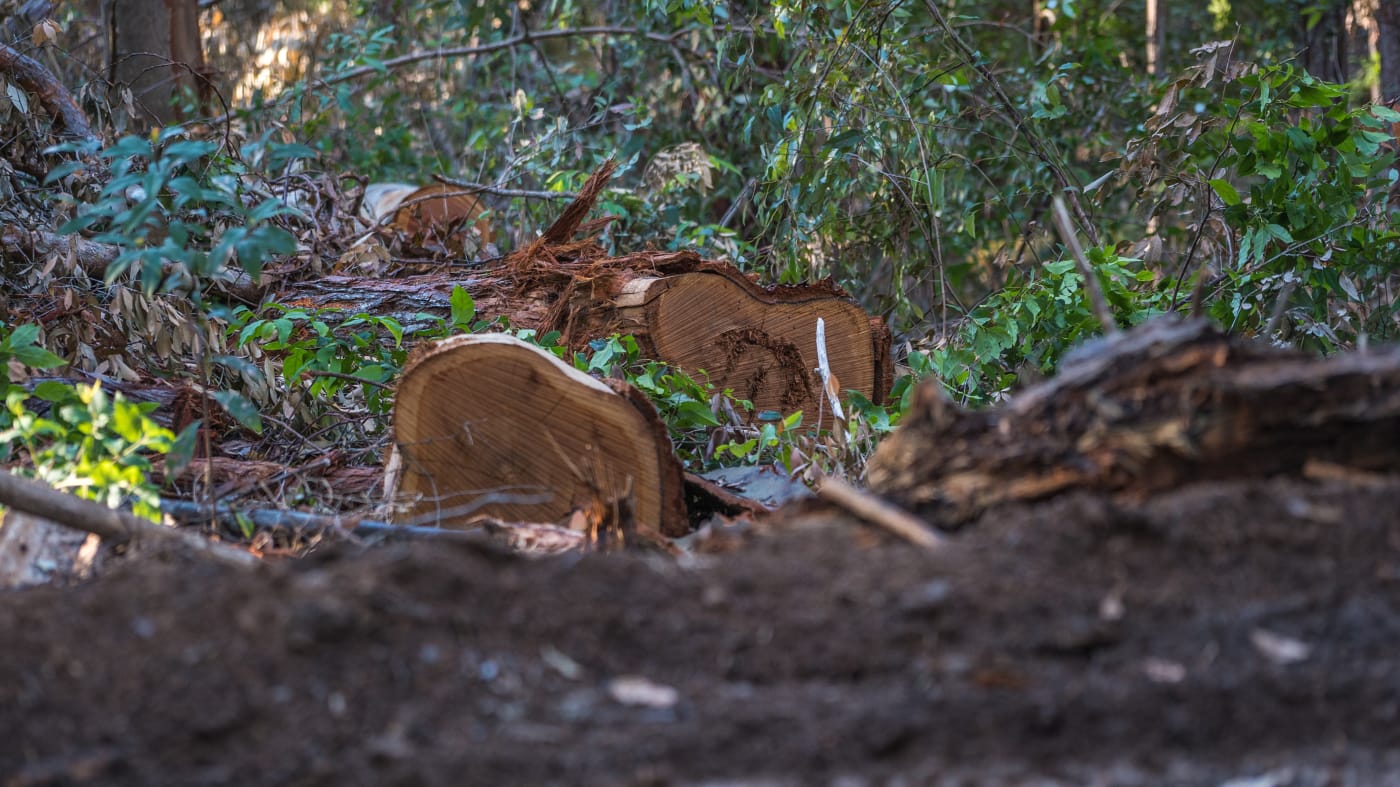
[711, 428]
[77, 438]
[179, 213]
[21, 346]
[1295, 185]
[313, 365]
[1024, 328]
[88, 444]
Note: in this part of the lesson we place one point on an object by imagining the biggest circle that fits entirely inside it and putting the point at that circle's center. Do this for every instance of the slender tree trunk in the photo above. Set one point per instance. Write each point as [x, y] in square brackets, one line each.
[1388, 46]
[1155, 38]
[1339, 45]
[156, 51]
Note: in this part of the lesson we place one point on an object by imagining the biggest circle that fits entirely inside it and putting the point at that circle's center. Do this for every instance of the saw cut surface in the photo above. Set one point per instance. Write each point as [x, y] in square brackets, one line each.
[761, 346]
[490, 416]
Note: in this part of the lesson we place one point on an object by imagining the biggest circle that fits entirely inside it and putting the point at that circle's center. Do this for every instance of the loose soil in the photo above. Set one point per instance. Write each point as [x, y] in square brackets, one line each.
[1243, 634]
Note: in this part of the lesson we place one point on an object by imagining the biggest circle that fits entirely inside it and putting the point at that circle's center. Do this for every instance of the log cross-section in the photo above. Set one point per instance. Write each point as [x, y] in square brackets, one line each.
[491, 414]
[760, 343]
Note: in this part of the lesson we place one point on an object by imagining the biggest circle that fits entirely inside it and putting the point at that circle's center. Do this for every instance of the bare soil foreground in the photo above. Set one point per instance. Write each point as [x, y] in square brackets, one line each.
[1243, 634]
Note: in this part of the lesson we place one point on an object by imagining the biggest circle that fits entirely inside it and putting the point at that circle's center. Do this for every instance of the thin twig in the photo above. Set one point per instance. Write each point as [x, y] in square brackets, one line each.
[879, 512]
[1091, 279]
[496, 191]
[1280, 307]
[277, 519]
[744, 194]
[352, 378]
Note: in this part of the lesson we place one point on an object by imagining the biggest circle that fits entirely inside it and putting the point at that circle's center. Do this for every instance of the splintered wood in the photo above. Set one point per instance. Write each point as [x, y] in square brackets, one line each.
[489, 414]
[435, 214]
[1167, 404]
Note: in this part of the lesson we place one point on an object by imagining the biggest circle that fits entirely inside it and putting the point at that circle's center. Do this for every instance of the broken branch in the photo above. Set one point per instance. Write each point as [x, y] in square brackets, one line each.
[878, 512]
[41, 500]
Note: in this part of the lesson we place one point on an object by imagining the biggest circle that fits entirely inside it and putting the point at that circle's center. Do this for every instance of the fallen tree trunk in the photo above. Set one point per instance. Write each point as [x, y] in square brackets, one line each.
[52, 95]
[488, 413]
[1167, 404]
[700, 316]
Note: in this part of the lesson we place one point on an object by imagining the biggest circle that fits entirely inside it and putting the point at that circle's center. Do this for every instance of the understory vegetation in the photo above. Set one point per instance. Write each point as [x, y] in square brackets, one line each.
[909, 150]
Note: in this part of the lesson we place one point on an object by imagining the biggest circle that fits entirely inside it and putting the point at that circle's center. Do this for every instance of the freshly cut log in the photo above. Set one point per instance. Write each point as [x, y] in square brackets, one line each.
[759, 342]
[700, 316]
[685, 311]
[1167, 404]
[485, 414]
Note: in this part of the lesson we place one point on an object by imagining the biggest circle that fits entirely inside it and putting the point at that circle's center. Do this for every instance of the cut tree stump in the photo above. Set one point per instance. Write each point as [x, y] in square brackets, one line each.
[1167, 404]
[484, 414]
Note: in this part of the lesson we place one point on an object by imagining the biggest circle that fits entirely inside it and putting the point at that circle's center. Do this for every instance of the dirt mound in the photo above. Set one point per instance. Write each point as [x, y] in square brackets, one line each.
[1223, 632]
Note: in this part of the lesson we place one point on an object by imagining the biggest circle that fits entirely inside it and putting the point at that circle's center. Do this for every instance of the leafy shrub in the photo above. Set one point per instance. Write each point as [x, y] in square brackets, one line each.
[82, 441]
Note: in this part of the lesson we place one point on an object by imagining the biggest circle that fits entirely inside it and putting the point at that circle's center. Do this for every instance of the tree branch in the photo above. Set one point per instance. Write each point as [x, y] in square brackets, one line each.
[471, 189]
[41, 500]
[1091, 279]
[528, 37]
[55, 98]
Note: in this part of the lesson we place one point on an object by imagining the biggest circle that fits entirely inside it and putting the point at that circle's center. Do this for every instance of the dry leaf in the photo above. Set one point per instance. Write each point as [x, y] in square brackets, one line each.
[46, 32]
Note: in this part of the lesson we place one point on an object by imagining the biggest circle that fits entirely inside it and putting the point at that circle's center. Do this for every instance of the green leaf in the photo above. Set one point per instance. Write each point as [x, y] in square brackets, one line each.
[1225, 191]
[240, 408]
[181, 451]
[62, 171]
[1385, 113]
[126, 421]
[37, 357]
[54, 391]
[372, 372]
[23, 334]
[463, 307]
[694, 413]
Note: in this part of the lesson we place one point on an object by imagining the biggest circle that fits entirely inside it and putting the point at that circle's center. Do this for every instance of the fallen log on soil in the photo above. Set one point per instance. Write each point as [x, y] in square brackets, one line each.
[490, 413]
[307, 524]
[697, 315]
[1167, 404]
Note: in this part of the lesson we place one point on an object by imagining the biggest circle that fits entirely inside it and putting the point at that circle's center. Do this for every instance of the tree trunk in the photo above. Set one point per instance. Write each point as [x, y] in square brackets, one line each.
[156, 51]
[1336, 48]
[1388, 46]
[1155, 38]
